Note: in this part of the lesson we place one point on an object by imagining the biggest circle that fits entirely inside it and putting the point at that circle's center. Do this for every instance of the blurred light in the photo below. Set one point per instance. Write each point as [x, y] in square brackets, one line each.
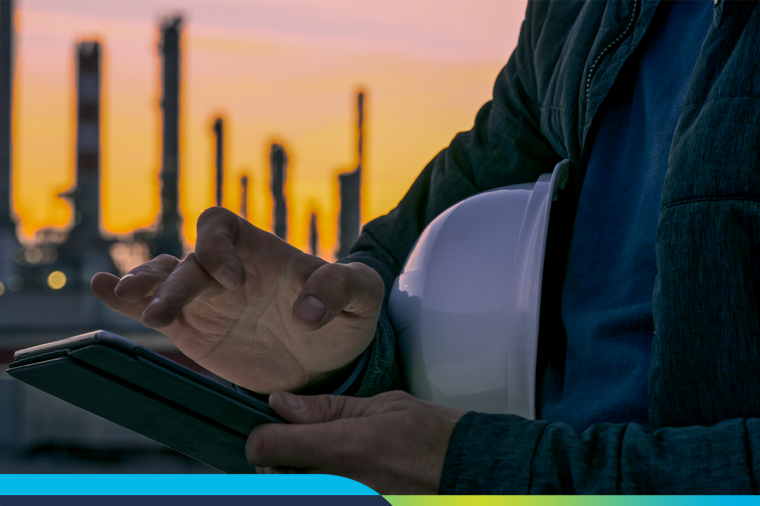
[15, 284]
[2, 288]
[56, 280]
[33, 255]
[18, 256]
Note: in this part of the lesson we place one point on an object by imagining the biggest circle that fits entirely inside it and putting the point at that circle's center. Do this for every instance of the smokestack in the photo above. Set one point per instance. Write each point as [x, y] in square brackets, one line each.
[8, 240]
[278, 168]
[6, 102]
[85, 249]
[244, 197]
[219, 136]
[313, 235]
[87, 193]
[350, 186]
[168, 239]
[360, 110]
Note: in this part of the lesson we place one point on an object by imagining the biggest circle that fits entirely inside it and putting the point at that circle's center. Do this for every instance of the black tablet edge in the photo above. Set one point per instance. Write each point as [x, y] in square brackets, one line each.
[43, 357]
[79, 341]
[147, 393]
[117, 342]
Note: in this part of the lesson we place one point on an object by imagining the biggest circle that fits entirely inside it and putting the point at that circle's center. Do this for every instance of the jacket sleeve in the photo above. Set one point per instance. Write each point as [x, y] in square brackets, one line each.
[505, 146]
[506, 454]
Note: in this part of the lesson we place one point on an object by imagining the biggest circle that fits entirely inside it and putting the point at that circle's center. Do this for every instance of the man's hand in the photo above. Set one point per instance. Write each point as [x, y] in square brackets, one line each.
[393, 442]
[252, 309]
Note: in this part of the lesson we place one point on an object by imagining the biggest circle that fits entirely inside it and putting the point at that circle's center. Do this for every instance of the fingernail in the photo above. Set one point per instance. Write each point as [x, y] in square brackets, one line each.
[119, 288]
[291, 400]
[311, 309]
[227, 277]
[152, 303]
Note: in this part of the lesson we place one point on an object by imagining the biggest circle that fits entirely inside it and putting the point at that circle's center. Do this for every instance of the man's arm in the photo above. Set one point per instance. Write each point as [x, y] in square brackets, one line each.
[504, 454]
[396, 444]
[504, 147]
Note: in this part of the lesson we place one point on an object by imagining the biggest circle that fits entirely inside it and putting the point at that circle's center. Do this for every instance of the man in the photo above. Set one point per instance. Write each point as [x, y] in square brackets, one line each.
[649, 346]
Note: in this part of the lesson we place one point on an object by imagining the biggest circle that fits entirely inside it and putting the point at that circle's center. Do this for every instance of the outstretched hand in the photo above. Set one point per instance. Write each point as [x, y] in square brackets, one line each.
[393, 442]
[251, 308]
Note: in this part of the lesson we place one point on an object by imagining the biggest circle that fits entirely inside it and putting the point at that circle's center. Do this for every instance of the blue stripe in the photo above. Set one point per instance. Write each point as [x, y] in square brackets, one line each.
[178, 484]
[194, 500]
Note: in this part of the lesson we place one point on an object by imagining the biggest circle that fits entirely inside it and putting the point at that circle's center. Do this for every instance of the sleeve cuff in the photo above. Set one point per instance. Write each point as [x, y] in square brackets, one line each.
[491, 454]
[358, 368]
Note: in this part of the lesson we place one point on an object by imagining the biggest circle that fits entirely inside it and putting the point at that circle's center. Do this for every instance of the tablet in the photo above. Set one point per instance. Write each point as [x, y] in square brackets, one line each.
[136, 388]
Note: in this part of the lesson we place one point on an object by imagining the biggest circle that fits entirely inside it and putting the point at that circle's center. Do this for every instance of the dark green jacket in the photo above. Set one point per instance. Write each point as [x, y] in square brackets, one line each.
[704, 380]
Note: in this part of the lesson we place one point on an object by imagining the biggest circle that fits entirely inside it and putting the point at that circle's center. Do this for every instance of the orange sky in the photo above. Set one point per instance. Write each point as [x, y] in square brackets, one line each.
[276, 70]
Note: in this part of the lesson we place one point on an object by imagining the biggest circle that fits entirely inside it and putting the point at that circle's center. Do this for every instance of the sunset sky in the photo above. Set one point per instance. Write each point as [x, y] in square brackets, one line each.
[285, 71]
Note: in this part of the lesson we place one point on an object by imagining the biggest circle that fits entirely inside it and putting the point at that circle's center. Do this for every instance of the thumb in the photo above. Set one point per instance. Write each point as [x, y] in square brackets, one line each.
[315, 408]
[333, 288]
[218, 230]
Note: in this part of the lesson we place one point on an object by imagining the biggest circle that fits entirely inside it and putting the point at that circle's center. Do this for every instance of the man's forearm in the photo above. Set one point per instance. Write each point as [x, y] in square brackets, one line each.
[506, 454]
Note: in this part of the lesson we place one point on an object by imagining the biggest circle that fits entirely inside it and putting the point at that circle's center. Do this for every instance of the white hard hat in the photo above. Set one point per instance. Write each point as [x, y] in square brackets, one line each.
[466, 305]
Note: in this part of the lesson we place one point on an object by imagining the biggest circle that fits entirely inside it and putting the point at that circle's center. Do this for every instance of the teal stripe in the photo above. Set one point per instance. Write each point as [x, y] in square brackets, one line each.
[178, 484]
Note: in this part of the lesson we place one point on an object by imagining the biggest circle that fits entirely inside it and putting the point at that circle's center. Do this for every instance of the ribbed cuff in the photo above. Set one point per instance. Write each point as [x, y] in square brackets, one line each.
[491, 454]
[358, 368]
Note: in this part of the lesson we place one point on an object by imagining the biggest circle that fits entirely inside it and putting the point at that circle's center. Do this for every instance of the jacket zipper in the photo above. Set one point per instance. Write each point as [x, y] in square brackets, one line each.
[612, 44]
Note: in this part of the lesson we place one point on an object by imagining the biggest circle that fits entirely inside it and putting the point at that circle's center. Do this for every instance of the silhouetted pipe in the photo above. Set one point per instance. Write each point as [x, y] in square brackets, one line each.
[278, 174]
[87, 194]
[6, 103]
[168, 239]
[350, 186]
[313, 235]
[85, 252]
[219, 136]
[244, 197]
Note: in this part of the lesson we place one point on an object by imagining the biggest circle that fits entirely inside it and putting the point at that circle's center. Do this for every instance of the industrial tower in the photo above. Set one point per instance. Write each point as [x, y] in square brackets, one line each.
[278, 175]
[85, 249]
[8, 240]
[350, 187]
[168, 239]
[219, 158]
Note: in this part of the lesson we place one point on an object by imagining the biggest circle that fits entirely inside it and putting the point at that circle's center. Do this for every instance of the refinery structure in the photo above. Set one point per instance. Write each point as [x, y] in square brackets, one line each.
[45, 286]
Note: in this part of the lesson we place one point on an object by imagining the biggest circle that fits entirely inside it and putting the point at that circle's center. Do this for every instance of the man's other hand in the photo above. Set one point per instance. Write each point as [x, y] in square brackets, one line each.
[393, 442]
[251, 308]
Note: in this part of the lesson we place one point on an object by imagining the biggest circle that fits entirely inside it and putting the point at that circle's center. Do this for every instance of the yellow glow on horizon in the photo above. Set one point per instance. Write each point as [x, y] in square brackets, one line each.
[297, 89]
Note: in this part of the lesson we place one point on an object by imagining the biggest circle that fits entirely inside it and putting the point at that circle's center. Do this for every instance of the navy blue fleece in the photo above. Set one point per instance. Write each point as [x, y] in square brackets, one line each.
[607, 295]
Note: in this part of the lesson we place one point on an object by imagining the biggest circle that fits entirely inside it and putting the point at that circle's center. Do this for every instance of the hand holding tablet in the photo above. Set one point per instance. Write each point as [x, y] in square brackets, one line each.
[120, 381]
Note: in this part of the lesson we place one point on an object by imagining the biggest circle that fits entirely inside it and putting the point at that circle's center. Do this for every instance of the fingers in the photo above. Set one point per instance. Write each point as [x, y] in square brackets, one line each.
[326, 429]
[314, 408]
[354, 288]
[218, 230]
[144, 280]
[294, 446]
[104, 284]
[302, 446]
[182, 286]
[129, 295]
[325, 408]
[175, 284]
